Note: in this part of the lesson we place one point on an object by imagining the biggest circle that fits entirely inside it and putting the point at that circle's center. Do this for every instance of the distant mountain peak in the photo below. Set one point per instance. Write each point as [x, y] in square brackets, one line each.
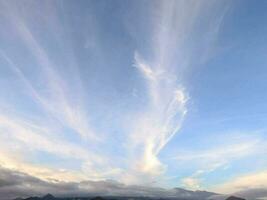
[48, 197]
[97, 198]
[234, 198]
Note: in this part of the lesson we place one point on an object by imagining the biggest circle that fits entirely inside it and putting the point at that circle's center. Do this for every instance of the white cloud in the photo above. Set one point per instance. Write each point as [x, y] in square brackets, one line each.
[150, 129]
[224, 152]
[54, 97]
[246, 182]
[221, 157]
[26, 138]
[161, 120]
[144, 68]
[171, 54]
[191, 183]
[14, 183]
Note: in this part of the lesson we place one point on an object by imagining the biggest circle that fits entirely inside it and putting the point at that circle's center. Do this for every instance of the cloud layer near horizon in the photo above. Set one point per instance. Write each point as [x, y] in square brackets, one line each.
[16, 184]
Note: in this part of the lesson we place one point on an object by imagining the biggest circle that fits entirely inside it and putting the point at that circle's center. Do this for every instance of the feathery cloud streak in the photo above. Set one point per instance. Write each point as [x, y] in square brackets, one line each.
[90, 94]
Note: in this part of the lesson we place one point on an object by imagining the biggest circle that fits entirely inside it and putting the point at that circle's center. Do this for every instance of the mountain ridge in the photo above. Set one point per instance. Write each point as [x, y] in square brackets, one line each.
[175, 193]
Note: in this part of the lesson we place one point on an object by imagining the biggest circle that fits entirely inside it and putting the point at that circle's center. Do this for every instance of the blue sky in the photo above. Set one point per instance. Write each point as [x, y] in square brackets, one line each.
[167, 93]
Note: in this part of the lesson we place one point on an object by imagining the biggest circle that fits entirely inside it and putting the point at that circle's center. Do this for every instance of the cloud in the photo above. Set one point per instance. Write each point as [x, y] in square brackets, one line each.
[253, 193]
[161, 120]
[58, 92]
[144, 68]
[191, 183]
[17, 184]
[251, 186]
[60, 102]
[55, 99]
[172, 52]
[223, 152]
[28, 137]
[227, 150]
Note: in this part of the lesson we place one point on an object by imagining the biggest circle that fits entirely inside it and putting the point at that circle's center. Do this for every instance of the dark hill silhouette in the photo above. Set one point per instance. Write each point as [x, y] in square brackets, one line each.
[33, 198]
[48, 197]
[234, 198]
[98, 198]
[180, 194]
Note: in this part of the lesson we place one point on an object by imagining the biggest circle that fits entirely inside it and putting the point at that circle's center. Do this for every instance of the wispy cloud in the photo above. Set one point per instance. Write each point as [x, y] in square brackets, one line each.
[234, 147]
[59, 99]
[163, 70]
[223, 152]
[162, 119]
[55, 99]
[252, 186]
[28, 137]
[173, 43]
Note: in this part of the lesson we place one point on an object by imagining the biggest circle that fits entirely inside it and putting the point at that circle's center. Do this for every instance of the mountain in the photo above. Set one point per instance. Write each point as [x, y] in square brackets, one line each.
[46, 197]
[173, 194]
[234, 198]
[188, 194]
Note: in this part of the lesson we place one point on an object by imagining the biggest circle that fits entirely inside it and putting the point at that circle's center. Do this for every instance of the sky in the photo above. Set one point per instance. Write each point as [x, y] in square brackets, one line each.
[102, 95]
